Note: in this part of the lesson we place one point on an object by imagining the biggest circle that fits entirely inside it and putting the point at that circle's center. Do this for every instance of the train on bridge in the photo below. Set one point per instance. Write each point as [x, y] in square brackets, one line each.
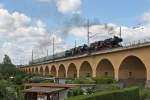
[80, 50]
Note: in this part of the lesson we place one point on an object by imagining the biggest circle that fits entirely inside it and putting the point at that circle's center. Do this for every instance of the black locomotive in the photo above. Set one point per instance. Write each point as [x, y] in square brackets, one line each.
[96, 46]
[93, 47]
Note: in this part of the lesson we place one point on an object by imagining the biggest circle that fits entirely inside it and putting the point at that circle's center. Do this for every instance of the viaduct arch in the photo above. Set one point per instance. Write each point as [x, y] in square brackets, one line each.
[61, 71]
[41, 71]
[53, 71]
[85, 69]
[72, 71]
[132, 70]
[105, 69]
[46, 70]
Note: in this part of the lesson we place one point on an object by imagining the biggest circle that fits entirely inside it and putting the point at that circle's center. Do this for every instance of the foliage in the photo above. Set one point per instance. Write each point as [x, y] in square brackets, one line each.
[145, 93]
[7, 70]
[83, 80]
[11, 81]
[104, 80]
[75, 92]
[6, 60]
[7, 92]
[37, 79]
[90, 90]
[47, 81]
[96, 80]
[131, 93]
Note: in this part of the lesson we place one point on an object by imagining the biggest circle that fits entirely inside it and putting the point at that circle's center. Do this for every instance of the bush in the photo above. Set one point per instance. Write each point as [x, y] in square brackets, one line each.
[35, 80]
[97, 80]
[83, 81]
[104, 80]
[7, 91]
[131, 93]
[47, 81]
[75, 92]
[145, 93]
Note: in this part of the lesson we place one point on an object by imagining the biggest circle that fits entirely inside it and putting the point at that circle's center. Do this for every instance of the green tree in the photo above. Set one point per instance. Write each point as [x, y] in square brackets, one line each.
[7, 69]
[11, 80]
[7, 91]
[6, 60]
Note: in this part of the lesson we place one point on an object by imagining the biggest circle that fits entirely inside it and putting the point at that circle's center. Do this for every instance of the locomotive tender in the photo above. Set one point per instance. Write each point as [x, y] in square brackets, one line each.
[93, 47]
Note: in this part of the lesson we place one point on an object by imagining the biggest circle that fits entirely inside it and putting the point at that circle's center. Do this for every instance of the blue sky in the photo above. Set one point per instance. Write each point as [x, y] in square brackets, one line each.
[126, 12]
[33, 23]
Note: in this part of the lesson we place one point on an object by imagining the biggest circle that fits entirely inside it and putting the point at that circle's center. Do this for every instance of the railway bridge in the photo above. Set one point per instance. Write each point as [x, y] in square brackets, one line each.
[129, 63]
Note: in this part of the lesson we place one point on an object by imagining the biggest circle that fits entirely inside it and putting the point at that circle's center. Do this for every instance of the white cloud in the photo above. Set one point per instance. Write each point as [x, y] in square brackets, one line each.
[19, 35]
[102, 32]
[146, 17]
[66, 6]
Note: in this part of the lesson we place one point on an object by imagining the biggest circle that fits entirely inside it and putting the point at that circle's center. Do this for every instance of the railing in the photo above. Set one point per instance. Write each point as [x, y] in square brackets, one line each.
[124, 45]
[136, 43]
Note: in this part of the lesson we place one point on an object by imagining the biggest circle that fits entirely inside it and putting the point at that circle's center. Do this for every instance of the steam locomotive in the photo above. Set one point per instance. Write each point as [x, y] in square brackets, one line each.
[80, 50]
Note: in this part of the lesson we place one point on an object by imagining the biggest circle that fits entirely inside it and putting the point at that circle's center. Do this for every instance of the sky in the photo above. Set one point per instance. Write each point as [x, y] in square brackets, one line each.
[31, 25]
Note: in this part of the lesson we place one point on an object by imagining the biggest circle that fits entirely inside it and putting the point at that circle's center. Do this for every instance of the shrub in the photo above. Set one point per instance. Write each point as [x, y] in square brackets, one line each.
[7, 91]
[47, 81]
[83, 80]
[69, 81]
[36, 80]
[75, 92]
[104, 80]
[145, 93]
[97, 80]
[131, 93]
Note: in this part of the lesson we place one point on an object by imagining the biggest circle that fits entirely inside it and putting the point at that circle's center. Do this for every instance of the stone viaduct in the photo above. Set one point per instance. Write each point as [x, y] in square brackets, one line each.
[130, 63]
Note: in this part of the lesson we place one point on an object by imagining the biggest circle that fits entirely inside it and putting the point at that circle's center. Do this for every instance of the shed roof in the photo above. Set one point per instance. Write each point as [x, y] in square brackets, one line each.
[43, 90]
[51, 85]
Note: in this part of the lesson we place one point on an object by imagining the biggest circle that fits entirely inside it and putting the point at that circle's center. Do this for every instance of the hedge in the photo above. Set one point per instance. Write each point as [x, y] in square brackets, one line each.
[131, 93]
[104, 80]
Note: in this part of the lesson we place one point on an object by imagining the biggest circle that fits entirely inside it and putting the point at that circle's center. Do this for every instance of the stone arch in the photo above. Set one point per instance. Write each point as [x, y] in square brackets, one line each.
[85, 70]
[105, 68]
[41, 70]
[46, 70]
[36, 70]
[132, 70]
[53, 71]
[29, 71]
[61, 71]
[72, 71]
[32, 70]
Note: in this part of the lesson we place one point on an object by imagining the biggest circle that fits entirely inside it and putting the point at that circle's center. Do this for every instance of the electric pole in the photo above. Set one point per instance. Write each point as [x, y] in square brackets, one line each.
[88, 32]
[47, 52]
[75, 44]
[32, 55]
[120, 33]
[53, 47]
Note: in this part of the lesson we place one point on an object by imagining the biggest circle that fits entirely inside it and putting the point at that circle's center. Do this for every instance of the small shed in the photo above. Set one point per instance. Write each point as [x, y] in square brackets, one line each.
[46, 91]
